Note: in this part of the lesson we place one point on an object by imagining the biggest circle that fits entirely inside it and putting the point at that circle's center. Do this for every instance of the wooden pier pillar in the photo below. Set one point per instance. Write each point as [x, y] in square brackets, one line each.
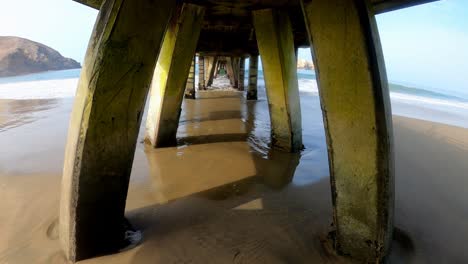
[212, 71]
[235, 71]
[276, 46]
[230, 71]
[105, 122]
[190, 86]
[167, 89]
[356, 108]
[216, 72]
[241, 73]
[253, 72]
[209, 66]
[201, 72]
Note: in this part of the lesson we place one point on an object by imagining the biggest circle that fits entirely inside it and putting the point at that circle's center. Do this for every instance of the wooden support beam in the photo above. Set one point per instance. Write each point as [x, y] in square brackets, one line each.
[201, 72]
[356, 108]
[216, 72]
[382, 6]
[379, 6]
[253, 72]
[241, 73]
[212, 70]
[230, 71]
[276, 45]
[105, 122]
[209, 64]
[190, 86]
[235, 71]
[167, 89]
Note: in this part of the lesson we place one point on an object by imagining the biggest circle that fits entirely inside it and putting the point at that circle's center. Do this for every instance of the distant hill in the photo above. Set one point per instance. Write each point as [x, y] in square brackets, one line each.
[22, 56]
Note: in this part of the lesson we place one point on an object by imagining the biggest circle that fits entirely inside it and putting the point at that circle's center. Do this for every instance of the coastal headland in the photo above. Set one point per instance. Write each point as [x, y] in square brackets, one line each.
[19, 56]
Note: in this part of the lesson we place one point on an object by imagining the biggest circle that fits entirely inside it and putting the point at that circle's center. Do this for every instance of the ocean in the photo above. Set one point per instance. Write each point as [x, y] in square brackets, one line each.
[409, 100]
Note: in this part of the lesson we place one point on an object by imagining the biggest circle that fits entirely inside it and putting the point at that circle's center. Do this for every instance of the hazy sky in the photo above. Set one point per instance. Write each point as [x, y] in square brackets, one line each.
[428, 44]
[425, 45]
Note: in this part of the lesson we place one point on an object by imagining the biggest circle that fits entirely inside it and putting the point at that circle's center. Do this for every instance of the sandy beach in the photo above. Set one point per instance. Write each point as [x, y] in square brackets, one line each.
[222, 196]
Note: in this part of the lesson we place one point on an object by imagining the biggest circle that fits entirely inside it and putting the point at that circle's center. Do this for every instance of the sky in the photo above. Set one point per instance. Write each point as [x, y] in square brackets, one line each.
[425, 45]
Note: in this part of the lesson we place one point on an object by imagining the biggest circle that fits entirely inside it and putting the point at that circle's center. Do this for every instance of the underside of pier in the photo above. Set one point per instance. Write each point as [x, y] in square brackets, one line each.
[141, 47]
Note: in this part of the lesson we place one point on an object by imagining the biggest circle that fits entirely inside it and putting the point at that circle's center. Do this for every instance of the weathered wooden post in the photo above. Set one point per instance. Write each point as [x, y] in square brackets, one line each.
[104, 124]
[235, 71]
[212, 71]
[190, 86]
[230, 71]
[276, 45]
[207, 64]
[168, 88]
[201, 72]
[218, 67]
[241, 73]
[253, 71]
[356, 109]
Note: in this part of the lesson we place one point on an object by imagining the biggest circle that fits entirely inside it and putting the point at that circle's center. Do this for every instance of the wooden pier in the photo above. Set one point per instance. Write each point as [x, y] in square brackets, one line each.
[141, 47]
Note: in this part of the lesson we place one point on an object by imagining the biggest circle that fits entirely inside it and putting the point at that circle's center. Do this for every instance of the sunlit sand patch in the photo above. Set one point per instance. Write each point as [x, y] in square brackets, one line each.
[256, 204]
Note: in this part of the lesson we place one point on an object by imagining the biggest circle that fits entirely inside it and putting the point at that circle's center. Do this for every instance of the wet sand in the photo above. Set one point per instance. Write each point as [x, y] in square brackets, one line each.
[222, 196]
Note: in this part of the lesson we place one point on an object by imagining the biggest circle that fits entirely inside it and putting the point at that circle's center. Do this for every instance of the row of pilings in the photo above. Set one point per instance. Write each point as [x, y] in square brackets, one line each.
[210, 67]
[140, 47]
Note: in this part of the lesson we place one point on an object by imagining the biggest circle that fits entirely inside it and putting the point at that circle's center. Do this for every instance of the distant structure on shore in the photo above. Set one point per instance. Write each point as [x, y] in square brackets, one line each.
[22, 56]
[305, 64]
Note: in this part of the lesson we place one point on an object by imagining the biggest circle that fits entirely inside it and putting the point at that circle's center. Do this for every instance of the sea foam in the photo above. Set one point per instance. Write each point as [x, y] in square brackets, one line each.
[427, 100]
[310, 86]
[39, 89]
[66, 88]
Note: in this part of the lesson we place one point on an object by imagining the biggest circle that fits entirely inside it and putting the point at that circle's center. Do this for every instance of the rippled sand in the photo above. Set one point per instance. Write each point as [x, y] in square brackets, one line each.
[222, 196]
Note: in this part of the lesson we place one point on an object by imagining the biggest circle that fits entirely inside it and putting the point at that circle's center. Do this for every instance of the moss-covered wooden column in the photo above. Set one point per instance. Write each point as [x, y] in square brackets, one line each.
[104, 124]
[356, 109]
[208, 61]
[276, 46]
[212, 71]
[201, 72]
[241, 73]
[230, 71]
[253, 72]
[190, 86]
[168, 87]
